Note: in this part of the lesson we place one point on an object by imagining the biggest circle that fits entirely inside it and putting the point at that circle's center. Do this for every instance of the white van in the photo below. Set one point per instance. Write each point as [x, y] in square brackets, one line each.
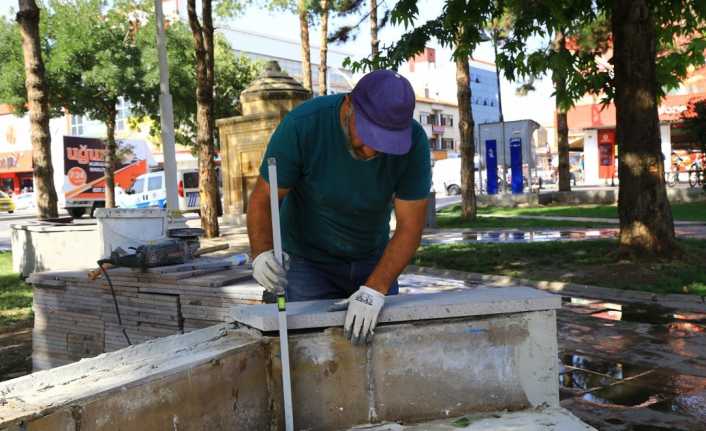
[149, 191]
[446, 176]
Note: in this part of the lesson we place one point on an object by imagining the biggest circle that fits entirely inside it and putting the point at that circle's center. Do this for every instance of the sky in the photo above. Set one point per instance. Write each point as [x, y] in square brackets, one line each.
[538, 105]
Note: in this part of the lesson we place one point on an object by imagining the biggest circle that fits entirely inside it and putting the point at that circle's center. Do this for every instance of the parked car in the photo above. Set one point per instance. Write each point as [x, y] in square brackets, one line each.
[24, 201]
[149, 191]
[446, 176]
[6, 203]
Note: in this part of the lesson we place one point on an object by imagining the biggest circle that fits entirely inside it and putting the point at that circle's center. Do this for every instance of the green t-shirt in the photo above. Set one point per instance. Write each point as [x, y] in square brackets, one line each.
[338, 208]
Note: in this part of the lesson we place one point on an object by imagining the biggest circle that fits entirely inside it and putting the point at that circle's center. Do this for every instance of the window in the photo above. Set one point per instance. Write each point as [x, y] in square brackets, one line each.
[123, 113]
[138, 185]
[424, 118]
[191, 180]
[154, 183]
[431, 119]
[447, 144]
[76, 125]
[447, 120]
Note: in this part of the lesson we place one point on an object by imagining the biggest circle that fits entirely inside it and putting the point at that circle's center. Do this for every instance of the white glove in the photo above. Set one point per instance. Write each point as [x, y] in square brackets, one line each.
[268, 272]
[363, 309]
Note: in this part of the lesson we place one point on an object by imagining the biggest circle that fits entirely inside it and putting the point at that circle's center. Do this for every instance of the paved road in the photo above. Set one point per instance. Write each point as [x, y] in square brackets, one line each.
[9, 219]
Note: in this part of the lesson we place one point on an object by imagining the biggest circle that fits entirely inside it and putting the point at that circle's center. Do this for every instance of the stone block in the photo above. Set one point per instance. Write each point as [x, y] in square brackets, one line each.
[403, 308]
[424, 370]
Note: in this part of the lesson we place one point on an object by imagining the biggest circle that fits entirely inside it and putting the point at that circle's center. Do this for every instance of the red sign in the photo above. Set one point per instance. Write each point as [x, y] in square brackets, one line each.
[606, 153]
[16, 161]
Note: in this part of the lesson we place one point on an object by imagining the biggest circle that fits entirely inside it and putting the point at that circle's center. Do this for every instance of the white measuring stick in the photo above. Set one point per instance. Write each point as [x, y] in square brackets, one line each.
[281, 303]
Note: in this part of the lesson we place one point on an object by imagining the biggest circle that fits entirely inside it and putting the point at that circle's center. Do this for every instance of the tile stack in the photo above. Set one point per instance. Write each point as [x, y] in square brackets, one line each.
[76, 317]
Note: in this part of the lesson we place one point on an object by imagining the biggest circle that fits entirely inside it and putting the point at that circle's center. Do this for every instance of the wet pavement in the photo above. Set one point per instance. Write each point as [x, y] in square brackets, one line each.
[624, 366]
[451, 236]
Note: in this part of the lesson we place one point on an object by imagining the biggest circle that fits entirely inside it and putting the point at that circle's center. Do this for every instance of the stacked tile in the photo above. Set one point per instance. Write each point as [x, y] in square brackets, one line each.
[67, 322]
[77, 318]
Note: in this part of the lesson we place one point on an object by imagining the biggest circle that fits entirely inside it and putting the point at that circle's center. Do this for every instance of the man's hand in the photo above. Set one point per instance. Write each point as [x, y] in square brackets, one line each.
[363, 309]
[269, 273]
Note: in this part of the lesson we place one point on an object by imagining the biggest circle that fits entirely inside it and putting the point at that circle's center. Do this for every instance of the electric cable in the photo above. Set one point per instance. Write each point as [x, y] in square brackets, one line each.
[115, 300]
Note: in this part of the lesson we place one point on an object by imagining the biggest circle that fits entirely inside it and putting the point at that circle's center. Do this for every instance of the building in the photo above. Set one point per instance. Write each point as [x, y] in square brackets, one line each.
[594, 148]
[434, 83]
[287, 52]
[440, 120]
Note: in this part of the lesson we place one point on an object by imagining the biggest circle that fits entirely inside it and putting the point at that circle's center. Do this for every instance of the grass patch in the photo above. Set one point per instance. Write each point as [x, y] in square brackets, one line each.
[585, 262]
[690, 211]
[450, 217]
[15, 295]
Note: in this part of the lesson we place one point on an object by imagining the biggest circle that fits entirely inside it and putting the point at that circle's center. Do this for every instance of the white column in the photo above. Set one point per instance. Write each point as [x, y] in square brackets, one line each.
[665, 134]
[590, 157]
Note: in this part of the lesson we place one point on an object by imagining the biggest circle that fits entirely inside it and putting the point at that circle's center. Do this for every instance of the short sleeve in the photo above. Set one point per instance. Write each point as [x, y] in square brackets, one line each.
[415, 182]
[285, 147]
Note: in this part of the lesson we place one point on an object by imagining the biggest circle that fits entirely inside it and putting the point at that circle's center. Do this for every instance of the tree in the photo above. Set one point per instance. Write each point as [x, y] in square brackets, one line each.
[460, 25]
[303, 11]
[28, 18]
[99, 64]
[232, 74]
[323, 49]
[374, 42]
[562, 123]
[646, 223]
[636, 77]
[467, 146]
[203, 45]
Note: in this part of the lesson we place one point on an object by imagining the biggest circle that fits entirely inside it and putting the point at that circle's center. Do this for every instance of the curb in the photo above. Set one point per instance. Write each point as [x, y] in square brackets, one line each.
[683, 302]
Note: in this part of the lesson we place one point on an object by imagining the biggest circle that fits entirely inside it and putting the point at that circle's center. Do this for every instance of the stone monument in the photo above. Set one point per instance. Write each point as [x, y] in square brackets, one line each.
[244, 138]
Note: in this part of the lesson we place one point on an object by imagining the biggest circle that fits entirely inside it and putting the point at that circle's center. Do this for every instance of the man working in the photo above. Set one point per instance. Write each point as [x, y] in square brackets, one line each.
[340, 161]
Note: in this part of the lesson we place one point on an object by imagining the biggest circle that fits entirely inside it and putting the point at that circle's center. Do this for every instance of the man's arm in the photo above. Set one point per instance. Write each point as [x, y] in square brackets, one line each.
[260, 217]
[411, 217]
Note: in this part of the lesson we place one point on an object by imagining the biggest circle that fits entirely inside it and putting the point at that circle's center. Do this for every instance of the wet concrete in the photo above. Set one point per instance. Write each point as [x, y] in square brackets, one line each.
[624, 366]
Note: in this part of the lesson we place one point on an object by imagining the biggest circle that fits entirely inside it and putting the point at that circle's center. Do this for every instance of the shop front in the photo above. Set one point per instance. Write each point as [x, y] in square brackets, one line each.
[592, 133]
[16, 172]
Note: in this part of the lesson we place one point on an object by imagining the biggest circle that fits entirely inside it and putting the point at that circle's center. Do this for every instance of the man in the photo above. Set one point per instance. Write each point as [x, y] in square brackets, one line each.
[342, 162]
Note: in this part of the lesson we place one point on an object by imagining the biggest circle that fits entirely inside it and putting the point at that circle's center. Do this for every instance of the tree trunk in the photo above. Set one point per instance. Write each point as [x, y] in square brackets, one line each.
[562, 131]
[28, 18]
[562, 126]
[110, 158]
[646, 225]
[467, 146]
[306, 50]
[208, 185]
[374, 42]
[323, 51]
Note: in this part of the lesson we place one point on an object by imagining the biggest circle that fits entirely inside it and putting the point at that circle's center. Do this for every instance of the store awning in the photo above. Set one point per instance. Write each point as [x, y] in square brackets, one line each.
[16, 161]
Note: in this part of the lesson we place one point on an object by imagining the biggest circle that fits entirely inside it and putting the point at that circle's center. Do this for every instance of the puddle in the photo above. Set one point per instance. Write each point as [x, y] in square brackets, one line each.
[509, 236]
[604, 382]
[417, 283]
[671, 321]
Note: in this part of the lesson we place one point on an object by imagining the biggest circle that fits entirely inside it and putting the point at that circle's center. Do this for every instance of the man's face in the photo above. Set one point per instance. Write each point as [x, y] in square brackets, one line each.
[363, 151]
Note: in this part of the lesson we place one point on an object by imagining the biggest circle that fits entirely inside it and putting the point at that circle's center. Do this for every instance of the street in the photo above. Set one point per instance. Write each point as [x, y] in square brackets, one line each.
[6, 220]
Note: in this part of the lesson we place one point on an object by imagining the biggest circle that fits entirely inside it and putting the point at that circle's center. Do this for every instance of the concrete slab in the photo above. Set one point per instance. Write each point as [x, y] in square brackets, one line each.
[403, 308]
[548, 419]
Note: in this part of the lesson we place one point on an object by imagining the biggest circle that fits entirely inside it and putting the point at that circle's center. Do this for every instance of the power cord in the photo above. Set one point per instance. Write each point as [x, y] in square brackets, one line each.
[115, 299]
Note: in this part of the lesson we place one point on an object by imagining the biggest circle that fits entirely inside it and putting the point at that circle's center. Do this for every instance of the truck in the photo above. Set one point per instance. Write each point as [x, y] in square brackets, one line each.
[84, 171]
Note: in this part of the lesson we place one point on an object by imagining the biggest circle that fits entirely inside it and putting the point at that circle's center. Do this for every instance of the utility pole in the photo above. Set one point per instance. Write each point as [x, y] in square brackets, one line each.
[500, 107]
[166, 113]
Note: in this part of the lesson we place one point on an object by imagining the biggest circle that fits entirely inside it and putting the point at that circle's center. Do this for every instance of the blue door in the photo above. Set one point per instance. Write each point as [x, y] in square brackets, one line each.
[516, 165]
[491, 166]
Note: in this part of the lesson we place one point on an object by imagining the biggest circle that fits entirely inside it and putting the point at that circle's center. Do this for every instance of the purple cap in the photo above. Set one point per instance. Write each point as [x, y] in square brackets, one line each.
[384, 107]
